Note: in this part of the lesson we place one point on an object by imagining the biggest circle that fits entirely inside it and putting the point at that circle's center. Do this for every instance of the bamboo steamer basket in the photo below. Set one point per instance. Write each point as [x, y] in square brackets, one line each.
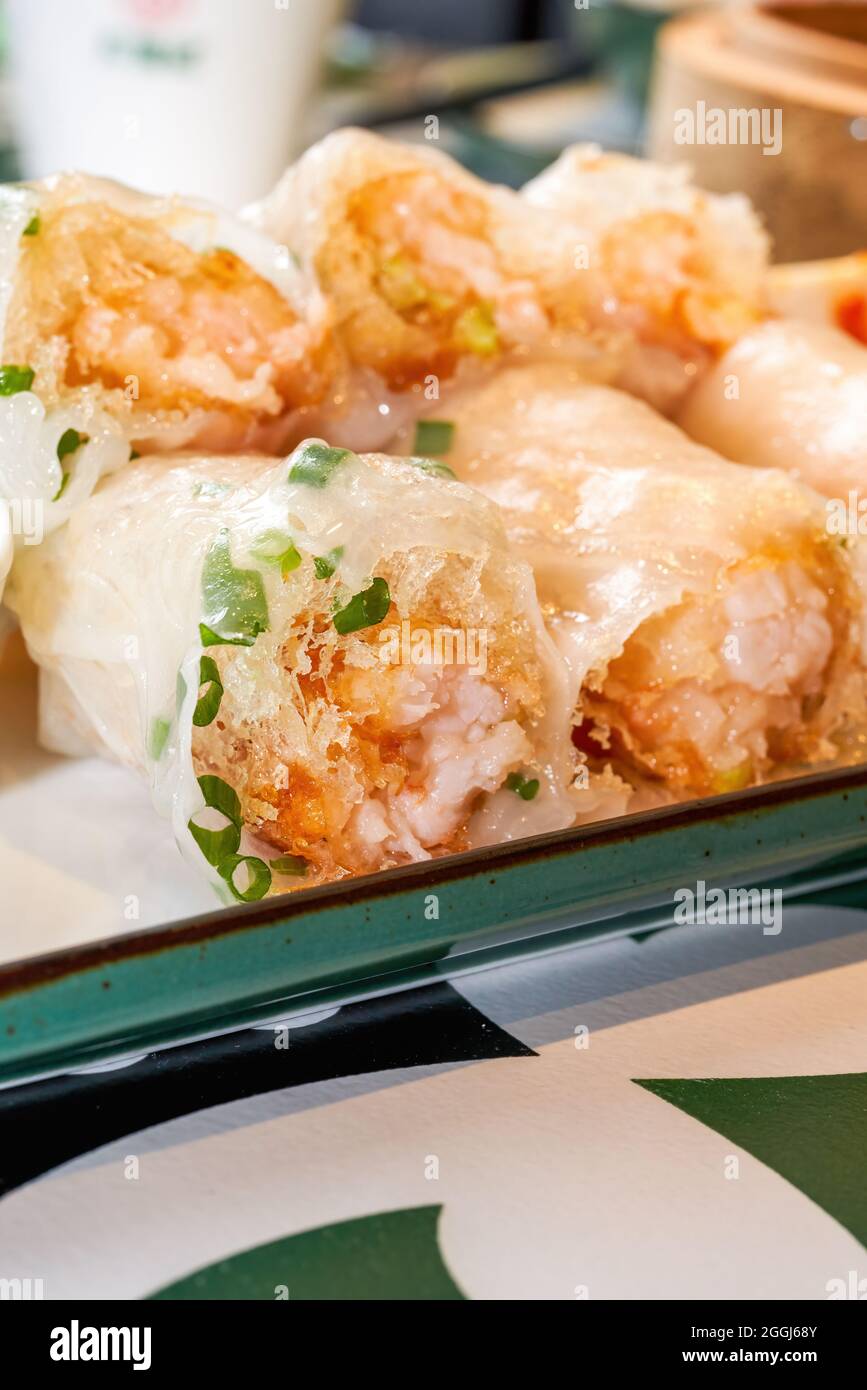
[810, 63]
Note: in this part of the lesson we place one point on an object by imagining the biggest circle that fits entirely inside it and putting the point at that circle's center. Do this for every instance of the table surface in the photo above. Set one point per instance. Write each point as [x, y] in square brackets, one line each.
[678, 1116]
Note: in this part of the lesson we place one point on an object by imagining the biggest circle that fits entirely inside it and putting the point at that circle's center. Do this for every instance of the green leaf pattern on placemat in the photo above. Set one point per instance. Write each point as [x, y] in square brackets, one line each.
[390, 1255]
[812, 1130]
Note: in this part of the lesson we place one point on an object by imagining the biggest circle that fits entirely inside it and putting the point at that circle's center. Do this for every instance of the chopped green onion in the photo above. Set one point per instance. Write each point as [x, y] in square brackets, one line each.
[325, 565]
[433, 437]
[69, 441]
[289, 864]
[208, 704]
[133, 455]
[277, 549]
[158, 738]
[525, 788]
[14, 379]
[33, 226]
[217, 845]
[315, 463]
[475, 331]
[435, 467]
[221, 797]
[260, 876]
[235, 610]
[365, 609]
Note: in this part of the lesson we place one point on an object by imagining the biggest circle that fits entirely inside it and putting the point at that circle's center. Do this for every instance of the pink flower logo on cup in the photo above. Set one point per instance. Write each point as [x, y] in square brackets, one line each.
[156, 10]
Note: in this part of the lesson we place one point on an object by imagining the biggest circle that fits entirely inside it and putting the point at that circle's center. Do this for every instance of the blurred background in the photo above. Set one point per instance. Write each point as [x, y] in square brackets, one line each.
[215, 97]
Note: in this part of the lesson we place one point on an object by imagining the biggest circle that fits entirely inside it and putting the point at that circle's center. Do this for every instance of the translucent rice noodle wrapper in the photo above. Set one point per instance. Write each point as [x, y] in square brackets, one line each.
[135, 321]
[680, 271]
[431, 274]
[792, 394]
[714, 631]
[342, 649]
[6, 550]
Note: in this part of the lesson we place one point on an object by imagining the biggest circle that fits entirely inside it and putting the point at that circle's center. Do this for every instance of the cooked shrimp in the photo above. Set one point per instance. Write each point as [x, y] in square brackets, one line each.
[419, 283]
[712, 695]
[109, 298]
[411, 751]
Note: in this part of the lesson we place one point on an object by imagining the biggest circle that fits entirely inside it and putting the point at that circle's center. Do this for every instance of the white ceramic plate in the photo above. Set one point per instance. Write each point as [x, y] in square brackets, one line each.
[82, 855]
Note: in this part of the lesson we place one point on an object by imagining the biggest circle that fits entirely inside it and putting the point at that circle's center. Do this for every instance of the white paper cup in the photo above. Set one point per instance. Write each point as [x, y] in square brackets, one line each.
[204, 97]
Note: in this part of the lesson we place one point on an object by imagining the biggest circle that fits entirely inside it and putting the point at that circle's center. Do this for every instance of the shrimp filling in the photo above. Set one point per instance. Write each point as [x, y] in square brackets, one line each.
[111, 299]
[355, 767]
[713, 695]
[423, 287]
[420, 281]
[665, 285]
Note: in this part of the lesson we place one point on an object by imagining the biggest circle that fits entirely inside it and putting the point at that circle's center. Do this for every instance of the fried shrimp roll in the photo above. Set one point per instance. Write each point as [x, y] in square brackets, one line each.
[326, 665]
[433, 275]
[132, 323]
[678, 272]
[714, 630]
[430, 273]
[792, 395]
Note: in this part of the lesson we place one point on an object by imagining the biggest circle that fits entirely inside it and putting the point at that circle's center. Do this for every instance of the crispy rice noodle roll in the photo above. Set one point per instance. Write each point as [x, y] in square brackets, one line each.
[187, 325]
[792, 394]
[714, 630]
[433, 275]
[351, 653]
[430, 272]
[680, 271]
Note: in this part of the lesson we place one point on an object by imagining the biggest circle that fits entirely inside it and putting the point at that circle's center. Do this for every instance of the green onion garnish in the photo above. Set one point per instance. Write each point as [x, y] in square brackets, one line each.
[433, 437]
[525, 788]
[209, 703]
[325, 565]
[315, 463]
[365, 609]
[69, 441]
[435, 467]
[14, 379]
[289, 864]
[274, 548]
[259, 881]
[32, 228]
[476, 331]
[134, 454]
[158, 738]
[218, 845]
[234, 607]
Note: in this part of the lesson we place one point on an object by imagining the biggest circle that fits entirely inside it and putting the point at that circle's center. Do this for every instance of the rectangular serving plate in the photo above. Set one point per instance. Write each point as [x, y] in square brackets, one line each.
[322, 946]
[100, 999]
